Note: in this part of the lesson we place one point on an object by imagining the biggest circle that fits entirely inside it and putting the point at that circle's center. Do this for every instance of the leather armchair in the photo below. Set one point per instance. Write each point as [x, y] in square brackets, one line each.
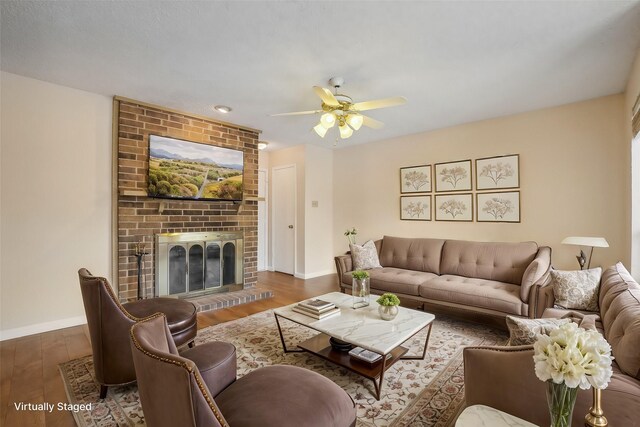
[174, 392]
[109, 324]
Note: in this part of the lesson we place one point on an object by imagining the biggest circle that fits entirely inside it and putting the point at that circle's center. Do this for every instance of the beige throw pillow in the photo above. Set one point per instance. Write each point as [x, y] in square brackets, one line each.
[364, 257]
[576, 290]
[525, 331]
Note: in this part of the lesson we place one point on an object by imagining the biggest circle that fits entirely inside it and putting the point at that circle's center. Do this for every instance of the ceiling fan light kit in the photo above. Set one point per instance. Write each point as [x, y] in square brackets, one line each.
[340, 108]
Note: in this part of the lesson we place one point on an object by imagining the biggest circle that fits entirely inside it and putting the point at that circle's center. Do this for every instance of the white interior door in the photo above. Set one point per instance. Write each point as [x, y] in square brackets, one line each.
[283, 214]
[262, 220]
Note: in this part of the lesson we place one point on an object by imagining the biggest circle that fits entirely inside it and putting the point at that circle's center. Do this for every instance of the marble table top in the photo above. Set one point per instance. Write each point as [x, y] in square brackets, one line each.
[363, 327]
[485, 416]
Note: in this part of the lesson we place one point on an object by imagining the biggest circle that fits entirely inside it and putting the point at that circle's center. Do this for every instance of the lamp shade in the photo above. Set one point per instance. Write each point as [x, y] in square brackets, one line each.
[345, 131]
[597, 242]
[328, 120]
[320, 130]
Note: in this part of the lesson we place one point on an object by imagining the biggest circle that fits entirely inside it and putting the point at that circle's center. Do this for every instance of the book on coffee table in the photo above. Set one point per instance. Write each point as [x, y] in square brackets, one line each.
[316, 305]
[315, 315]
[367, 356]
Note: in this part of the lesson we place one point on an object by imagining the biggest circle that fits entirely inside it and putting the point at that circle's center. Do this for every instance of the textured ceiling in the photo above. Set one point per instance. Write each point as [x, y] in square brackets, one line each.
[455, 62]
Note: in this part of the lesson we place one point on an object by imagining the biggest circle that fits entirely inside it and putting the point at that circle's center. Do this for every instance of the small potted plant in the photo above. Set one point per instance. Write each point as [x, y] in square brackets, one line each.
[360, 288]
[388, 308]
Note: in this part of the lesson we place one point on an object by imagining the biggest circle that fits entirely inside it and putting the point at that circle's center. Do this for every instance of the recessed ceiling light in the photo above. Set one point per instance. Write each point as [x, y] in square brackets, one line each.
[222, 109]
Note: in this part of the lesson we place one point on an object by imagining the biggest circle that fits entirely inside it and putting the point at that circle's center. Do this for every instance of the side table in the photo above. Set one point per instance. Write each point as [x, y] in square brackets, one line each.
[485, 416]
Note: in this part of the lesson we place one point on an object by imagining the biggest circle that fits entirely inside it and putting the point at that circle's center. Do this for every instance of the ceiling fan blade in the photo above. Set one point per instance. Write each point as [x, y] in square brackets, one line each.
[379, 103]
[326, 96]
[372, 123]
[297, 113]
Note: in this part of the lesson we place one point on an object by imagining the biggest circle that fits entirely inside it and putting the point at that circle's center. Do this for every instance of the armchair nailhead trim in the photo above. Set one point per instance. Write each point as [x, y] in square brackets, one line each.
[183, 365]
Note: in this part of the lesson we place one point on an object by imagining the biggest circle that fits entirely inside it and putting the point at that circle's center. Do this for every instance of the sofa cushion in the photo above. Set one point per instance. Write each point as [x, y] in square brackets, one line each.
[620, 313]
[576, 289]
[525, 331]
[502, 262]
[364, 257]
[481, 293]
[398, 280]
[411, 253]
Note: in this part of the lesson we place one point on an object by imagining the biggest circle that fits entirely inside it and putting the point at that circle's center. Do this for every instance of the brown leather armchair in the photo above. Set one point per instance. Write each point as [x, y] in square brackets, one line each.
[174, 392]
[109, 325]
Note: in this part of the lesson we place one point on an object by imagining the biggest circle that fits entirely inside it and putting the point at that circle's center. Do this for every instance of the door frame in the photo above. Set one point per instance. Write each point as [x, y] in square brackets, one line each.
[267, 217]
[295, 216]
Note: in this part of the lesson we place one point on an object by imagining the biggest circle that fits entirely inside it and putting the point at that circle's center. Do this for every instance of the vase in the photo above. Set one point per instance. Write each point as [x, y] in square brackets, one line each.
[360, 292]
[388, 312]
[561, 400]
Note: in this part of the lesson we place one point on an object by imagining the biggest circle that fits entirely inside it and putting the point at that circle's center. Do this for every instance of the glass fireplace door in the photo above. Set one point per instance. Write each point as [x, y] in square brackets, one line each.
[196, 267]
[229, 263]
[177, 270]
[212, 266]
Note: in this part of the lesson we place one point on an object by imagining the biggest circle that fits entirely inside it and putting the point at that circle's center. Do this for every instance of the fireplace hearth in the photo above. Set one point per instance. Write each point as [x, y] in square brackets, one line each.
[192, 264]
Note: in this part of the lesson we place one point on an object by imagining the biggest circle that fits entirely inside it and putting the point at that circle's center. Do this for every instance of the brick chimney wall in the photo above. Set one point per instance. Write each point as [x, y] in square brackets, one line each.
[141, 217]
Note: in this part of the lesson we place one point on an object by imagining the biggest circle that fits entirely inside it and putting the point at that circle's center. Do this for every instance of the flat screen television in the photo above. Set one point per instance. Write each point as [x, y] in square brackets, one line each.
[181, 169]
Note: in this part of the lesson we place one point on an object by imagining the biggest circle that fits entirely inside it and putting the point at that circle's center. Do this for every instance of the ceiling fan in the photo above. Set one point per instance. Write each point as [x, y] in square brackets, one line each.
[340, 109]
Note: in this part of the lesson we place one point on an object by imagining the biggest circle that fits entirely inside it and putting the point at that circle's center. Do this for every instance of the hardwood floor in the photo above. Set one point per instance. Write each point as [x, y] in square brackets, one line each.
[29, 365]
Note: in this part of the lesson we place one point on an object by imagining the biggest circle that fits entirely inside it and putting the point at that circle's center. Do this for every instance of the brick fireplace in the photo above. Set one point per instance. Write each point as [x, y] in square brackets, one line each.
[138, 219]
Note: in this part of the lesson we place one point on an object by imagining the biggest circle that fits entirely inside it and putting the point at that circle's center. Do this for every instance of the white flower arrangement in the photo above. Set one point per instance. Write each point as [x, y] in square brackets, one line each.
[578, 357]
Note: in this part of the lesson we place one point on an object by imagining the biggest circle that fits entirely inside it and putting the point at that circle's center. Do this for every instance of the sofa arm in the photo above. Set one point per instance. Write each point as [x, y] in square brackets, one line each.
[545, 298]
[343, 264]
[504, 378]
[536, 273]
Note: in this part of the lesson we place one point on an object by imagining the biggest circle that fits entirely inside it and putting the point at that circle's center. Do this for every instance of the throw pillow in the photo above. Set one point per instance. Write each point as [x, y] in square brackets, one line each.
[576, 290]
[364, 257]
[525, 331]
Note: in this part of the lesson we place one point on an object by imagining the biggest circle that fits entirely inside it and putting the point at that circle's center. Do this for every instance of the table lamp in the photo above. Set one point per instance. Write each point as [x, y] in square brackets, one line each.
[593, 242]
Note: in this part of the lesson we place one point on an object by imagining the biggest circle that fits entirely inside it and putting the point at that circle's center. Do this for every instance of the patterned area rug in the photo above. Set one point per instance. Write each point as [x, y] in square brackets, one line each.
[427, 392]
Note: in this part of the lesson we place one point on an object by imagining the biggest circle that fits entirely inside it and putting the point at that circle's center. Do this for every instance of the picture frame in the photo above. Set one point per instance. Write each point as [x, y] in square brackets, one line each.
[501, 206]
[454, 207]
[415, 179]
[453, 176]
[498, 172]
[415, 208]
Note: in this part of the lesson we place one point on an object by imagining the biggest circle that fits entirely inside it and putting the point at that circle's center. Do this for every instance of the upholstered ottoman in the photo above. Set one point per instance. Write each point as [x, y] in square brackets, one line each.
[286, 396]
[181, 316]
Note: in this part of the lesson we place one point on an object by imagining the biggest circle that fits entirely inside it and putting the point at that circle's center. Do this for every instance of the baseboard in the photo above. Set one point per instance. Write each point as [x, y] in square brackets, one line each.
[312, 275]
[42, 327]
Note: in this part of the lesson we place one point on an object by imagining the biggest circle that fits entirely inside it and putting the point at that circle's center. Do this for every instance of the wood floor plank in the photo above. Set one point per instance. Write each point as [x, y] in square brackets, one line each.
[27, 384]
[7, 354]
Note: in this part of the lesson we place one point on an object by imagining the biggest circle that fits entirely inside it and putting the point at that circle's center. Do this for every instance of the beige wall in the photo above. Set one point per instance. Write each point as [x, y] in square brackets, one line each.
[56, 198]
[318, 220]
[573, 180]
[631, 95]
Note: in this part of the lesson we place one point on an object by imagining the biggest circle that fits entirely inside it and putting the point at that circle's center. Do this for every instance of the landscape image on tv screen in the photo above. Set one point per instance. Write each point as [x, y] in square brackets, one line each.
[190, 170]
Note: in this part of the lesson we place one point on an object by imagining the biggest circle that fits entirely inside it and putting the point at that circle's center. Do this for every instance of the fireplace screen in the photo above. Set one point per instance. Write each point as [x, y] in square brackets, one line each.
[189, 263]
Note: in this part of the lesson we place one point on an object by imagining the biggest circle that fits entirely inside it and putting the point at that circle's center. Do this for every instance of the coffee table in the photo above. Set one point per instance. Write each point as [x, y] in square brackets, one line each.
[361, 327]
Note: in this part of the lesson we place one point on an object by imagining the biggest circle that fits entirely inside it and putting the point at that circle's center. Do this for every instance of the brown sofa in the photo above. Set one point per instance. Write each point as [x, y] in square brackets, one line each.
[494, 279]
[504, 377]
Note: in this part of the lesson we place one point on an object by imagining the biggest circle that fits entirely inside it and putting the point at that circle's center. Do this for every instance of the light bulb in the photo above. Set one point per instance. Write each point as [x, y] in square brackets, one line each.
[320, 130]
[328, 120]
[345, 131]
[355, 121]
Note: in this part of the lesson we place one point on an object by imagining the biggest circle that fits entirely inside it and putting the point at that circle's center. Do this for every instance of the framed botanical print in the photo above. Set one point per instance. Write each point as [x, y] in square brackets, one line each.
[415, 208]
[498, 172]
[453, 176]
[453, 207]
[498, 207]
[415, 179]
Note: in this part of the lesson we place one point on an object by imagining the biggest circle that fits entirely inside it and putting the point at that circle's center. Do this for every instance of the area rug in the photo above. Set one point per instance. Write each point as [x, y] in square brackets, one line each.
[427, 392]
